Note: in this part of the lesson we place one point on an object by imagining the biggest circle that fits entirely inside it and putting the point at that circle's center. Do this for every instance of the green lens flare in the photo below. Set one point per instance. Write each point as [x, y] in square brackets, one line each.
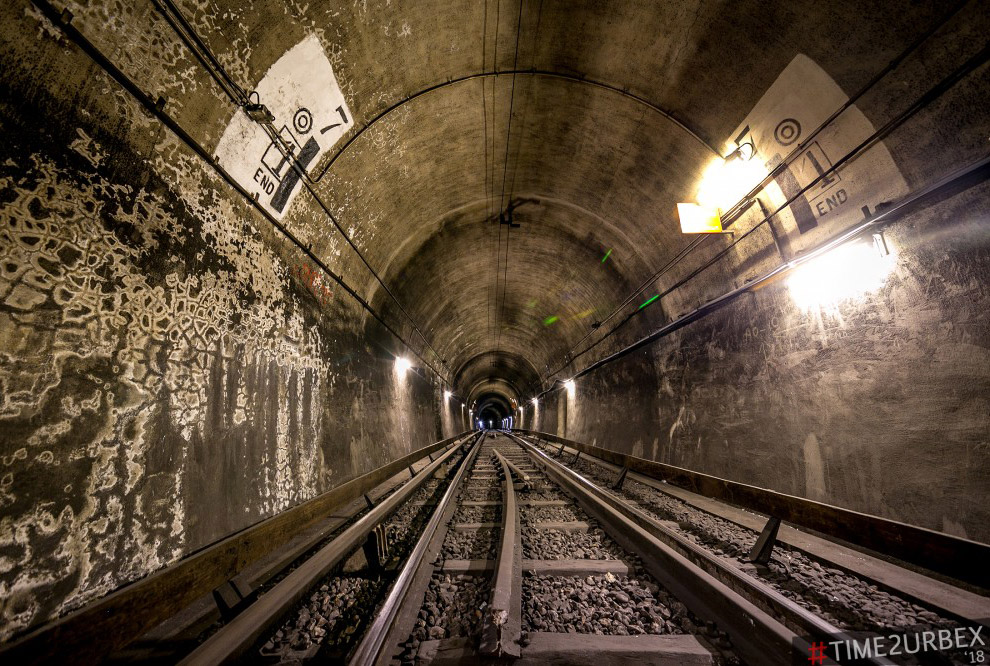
[648, 302]
[549, 320]
[606, 255]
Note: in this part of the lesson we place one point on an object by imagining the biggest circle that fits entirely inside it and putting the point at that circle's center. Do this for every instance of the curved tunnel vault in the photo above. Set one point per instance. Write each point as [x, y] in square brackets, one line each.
[190, 345]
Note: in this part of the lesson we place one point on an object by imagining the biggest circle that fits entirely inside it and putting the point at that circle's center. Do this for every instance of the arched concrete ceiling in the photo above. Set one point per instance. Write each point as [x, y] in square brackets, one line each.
[617, 107]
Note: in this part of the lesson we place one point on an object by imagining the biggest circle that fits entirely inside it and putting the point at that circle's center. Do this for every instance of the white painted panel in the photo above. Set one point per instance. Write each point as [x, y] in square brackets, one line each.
[301, 91]
[801, 98]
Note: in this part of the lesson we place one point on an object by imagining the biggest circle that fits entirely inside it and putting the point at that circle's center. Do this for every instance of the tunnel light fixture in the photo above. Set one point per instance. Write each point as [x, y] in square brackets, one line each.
[723, 183]
[744, 152]
[569, 385]
[698, 219]
[402, 364]
[536, 402]
[845, 273]
[447, 394]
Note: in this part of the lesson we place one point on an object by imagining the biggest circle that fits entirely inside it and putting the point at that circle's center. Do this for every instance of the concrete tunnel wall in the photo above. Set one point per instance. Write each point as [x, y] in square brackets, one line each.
[171, 370]
[167, 378]
[880, 406]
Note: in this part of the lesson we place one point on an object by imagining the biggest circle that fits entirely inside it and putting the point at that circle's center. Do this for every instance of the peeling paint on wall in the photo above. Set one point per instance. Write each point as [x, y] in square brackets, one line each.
[165, 379]
[310, 116]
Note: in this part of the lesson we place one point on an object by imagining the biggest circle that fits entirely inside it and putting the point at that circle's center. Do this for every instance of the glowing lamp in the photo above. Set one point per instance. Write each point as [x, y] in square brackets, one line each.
[847, 272]
[698, 219]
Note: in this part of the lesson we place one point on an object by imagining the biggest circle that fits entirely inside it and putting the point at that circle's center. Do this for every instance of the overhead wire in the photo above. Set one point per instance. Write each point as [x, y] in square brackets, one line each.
[747, 199]
[153, 107]
[494, 234]
[933, 93]
[484, 110]
[204, 54]
[502, 208]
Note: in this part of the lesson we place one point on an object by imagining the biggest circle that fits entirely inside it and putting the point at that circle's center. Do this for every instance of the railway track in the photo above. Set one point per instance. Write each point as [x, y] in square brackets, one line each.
[506, 549]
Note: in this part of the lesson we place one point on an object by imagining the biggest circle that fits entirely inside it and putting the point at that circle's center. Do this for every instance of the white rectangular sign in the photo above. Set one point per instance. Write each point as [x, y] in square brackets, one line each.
[801, 98]
[311, 115]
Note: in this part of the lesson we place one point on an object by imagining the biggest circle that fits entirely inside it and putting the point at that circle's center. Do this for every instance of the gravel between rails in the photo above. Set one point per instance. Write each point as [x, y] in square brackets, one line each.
[845, 600]
[452, 608]
[552, 544]
[478, 514]
[543, 495]
[601, 604]
[550, 514]
[330, 617]
[492, 494]
[470, 545]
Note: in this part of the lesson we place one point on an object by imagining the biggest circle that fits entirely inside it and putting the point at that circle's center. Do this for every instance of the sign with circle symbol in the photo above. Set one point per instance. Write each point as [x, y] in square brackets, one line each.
[303, 121]
[787, 132]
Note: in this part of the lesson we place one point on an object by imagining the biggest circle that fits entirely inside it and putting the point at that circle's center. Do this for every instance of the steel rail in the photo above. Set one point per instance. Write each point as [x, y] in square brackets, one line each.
[371, 649]
[502, 625]
[518, 473]
[952, 556]
[756, 636]
[238, 636]
[127, 613]
[794, 616]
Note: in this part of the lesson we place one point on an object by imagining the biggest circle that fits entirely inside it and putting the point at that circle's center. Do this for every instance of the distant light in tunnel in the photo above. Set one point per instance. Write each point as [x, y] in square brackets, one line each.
[849, 271]
[402, 364]
[536, 402]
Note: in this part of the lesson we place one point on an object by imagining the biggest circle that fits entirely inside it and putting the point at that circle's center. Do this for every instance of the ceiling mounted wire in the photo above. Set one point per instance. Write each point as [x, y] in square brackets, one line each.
[153, 107]
[739, 206]
[506, 221]
[212, 65]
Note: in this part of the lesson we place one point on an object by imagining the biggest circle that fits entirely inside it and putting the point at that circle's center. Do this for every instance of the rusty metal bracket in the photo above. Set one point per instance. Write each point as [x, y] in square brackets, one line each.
[622, 479]
[231, 597]
[763, 548]
[376, 548]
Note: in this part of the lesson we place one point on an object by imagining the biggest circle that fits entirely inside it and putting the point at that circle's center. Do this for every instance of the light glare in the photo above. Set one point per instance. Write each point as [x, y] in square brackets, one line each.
[724, 183]
[446, 395]
[847, 272]
[569, 385]
[402, 364]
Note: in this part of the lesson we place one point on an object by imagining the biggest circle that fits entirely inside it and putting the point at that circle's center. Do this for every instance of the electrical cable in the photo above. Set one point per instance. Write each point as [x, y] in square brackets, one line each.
[63, 21]
[213, 66]
[508, 213]
[969, 175]
[947, 82]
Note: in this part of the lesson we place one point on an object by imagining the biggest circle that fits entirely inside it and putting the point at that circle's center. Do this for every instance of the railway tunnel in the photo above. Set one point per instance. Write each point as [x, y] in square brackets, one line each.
[494, 330]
